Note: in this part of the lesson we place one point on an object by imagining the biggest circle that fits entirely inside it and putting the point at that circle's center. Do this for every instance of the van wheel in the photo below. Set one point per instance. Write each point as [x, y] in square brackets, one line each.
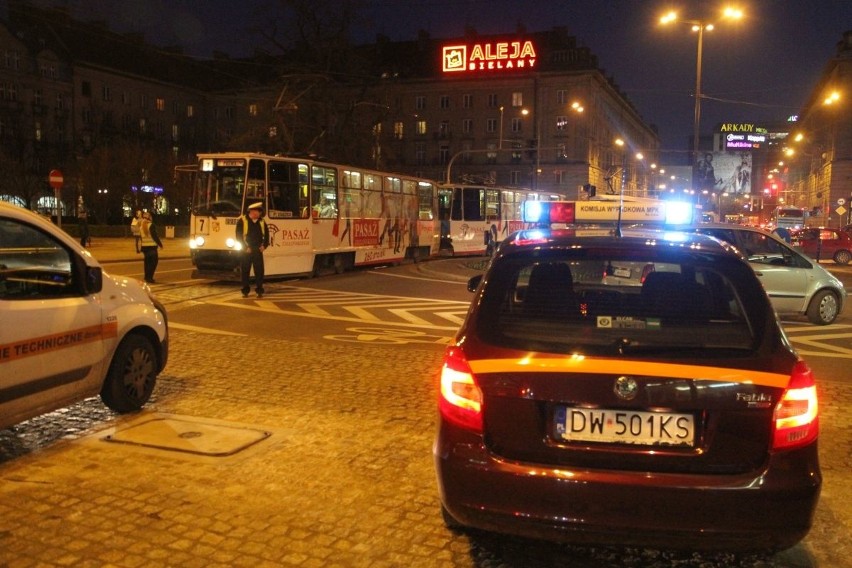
[842, 257]
[823, 308]
[132, 375]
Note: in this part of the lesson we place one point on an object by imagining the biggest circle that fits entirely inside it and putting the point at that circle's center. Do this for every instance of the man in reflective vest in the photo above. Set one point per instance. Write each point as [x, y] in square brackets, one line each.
[149, 242]
[253, 234]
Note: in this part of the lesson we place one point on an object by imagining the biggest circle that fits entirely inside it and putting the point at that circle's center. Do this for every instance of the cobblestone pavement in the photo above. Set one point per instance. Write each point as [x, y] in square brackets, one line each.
[345, 478]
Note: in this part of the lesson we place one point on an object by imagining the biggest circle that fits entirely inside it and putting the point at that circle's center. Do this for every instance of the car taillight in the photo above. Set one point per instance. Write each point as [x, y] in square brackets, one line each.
[461, 399]
[796, 414]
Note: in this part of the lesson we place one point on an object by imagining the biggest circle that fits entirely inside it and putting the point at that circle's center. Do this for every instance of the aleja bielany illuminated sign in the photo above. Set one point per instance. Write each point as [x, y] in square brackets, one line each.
[492, 56]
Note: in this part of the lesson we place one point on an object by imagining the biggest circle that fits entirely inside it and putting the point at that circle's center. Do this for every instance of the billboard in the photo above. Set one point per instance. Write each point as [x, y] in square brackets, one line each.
[492, 56]
[723, 172]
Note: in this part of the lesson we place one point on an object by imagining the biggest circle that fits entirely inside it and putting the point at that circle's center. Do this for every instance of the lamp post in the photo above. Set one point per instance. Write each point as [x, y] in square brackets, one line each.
[699, 27]
[500, 141]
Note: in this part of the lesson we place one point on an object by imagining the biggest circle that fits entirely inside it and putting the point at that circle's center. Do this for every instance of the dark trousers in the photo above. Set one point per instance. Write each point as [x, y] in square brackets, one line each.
[150, 259]
[252, 259]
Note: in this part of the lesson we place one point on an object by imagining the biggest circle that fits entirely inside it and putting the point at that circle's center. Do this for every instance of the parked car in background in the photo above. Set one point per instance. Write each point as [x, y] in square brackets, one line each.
[634, 390]
[69, 330]
[796, 284]
[823, 243]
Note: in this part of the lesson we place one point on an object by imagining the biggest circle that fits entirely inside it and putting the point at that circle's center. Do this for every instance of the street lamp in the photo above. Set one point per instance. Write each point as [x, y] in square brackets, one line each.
[699, 26]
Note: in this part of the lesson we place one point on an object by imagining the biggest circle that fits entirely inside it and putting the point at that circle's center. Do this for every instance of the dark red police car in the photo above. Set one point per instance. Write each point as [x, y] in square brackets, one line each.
[627, 390]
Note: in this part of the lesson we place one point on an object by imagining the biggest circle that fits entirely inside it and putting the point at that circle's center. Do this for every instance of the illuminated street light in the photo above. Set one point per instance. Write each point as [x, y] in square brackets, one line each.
[699, 27]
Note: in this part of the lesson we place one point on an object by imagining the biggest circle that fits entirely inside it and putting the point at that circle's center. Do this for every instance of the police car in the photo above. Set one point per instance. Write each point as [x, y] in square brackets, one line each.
[635, 388]
[68, 330]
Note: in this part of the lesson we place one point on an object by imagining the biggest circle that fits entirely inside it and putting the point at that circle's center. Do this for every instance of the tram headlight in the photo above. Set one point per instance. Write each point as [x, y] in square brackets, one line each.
[196, 242]
[233, 244]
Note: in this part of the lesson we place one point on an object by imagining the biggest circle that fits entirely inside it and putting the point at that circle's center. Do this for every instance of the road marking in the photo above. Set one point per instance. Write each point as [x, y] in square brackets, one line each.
[419, 278]
[209, 330]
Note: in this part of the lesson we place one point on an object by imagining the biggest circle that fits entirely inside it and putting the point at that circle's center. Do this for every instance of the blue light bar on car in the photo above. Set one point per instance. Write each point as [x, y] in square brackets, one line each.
[547, 212]
[678, 213]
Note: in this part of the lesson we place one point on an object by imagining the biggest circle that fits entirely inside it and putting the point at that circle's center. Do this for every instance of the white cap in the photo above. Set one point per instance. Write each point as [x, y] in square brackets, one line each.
[257, 205]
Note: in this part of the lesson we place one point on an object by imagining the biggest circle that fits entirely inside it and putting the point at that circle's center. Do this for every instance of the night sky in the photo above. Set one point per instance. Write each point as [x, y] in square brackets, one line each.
[759, 69]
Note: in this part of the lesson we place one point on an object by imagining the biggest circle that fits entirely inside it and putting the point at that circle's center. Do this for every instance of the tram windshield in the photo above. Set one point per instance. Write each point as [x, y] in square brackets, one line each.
[219, 190]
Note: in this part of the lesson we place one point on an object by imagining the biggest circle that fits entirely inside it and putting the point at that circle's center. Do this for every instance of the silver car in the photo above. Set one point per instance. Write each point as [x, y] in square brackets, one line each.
[796, 284]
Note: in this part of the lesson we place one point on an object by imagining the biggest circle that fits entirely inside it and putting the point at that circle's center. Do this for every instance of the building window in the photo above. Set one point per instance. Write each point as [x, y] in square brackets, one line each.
[444, 129]
[421, 127]
[561, 123]
[491, 154]
[560, 152]
[398, 130]
[467, 101]
[106, 93]
[86, 116]
[160, 104]
[559, 177]
[37, 97]
[60, 102]
[517, 99]
[175, 132]
[491, 125]
[444, 154]
[492, 101]
[143, 127]
[467, 126]
[445, 101]
[13, 59]
[229, 113]
[561, 96]
[252, 110]
[125, 98]
[86, 89]
[514, 177]
[38, 131]
[190, 111]
[420, 154]
[143, 101]
[8, 92]
[420, 103]
[517, 124]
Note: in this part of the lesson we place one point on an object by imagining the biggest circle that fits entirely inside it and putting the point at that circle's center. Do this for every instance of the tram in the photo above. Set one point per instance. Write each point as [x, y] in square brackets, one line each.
[474, 218]
[321, 216]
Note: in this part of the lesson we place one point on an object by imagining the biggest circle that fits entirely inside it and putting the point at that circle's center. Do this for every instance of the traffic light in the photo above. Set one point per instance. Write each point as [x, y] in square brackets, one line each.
[590, 189]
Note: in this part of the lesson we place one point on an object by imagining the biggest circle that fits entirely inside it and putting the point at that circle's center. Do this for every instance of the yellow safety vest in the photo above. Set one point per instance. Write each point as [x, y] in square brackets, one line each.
[145, 238]
[246, 222]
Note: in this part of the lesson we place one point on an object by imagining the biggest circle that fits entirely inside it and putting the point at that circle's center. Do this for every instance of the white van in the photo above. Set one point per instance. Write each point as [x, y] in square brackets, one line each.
[68, 330]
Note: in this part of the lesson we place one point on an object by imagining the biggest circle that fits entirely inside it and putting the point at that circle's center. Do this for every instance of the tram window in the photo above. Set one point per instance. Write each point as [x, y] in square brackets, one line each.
[457, 205]
[472, 204]
[256, 179]
[324, 192]
[492, 205]
[284, 190]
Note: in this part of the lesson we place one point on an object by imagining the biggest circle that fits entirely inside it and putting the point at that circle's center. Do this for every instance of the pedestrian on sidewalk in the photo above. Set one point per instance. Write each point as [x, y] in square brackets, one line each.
[253, 234]
[149, 242]
[134, 228]
[83, 226]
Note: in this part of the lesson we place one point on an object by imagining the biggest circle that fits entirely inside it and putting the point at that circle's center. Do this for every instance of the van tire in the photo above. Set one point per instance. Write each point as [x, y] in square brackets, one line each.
[132, 375]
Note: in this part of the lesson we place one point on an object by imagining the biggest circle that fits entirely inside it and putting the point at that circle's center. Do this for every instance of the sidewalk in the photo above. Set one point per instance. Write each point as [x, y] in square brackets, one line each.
[107, 249]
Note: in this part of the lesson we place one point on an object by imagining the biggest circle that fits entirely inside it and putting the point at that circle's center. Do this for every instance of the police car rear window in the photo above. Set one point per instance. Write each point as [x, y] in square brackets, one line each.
[625, 303]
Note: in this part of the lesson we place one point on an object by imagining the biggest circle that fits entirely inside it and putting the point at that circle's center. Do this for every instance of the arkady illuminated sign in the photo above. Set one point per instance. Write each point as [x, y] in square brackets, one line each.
[492, 56]
[743, 135]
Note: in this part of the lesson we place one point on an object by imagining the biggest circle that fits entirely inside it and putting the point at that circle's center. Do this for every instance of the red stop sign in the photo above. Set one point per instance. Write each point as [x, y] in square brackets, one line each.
[55, 179]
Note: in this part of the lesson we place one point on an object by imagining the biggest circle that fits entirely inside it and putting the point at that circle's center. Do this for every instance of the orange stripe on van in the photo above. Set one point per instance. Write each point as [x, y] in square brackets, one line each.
[592, 365]
[57, 341]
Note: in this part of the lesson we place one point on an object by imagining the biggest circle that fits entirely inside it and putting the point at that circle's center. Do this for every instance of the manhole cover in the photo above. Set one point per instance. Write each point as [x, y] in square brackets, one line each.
[189, 436]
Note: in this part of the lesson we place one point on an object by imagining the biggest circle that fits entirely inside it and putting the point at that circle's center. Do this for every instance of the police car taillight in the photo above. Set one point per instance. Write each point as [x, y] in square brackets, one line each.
[796, 414]
[547, 212]
[461, 399]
